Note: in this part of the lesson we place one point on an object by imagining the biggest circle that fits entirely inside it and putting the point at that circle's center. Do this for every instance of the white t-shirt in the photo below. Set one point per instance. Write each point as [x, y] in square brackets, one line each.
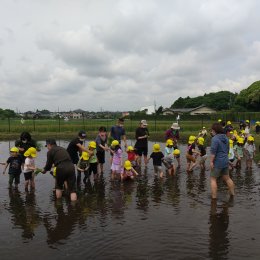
[29, 162]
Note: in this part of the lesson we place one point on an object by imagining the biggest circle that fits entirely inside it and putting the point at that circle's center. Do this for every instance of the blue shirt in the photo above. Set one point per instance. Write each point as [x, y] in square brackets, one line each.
[220, 148]
[117, 132]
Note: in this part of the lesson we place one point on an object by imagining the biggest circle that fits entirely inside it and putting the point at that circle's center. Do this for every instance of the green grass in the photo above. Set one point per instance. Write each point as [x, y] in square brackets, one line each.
[60, 129]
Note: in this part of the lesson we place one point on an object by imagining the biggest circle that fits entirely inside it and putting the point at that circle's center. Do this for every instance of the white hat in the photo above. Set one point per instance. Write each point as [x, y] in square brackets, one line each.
[144, 122]
[175, 126]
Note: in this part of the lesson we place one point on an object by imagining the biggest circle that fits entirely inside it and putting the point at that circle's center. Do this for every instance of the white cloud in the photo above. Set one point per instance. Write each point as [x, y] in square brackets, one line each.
[122, 55]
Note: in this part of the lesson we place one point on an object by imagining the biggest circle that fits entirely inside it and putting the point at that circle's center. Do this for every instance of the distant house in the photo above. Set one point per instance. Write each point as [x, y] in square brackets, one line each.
[75, 115]
[200, 110]
[149, 110]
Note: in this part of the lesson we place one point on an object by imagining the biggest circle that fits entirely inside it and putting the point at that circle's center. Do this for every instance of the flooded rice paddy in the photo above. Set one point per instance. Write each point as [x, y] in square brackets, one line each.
[148, 218]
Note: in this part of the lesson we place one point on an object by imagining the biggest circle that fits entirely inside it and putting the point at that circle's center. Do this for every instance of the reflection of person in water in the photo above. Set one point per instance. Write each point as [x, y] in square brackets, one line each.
[218, 231]
[24, 213]
[157, 189]
[65, 223]
[142, 191]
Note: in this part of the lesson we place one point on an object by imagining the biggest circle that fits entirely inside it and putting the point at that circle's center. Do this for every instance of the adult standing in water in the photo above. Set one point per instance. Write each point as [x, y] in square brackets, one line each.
[141, 145]
[219, 162]
[174, 134]
[25, 142]
[64, 168]
[117, 132]
[76, 146]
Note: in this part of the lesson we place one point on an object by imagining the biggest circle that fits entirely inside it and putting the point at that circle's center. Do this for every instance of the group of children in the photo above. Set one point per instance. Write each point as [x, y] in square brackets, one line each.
[19, 163]
[241, 145]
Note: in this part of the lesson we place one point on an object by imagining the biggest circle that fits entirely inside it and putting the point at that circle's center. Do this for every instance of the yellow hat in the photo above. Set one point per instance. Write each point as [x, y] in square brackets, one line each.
[176, 152]
[240, 140]
[242, 131]
[228, 122]
[31, 152]
[201, 140]
[127, 165]
[192, 138]
[130, 148]
[231, 143]
[156, 148]
[114, 143]
[85, 156]
[251, 138]
[247, 121]
[14, 149]
[169, 142]
[219, 120]
[92, 144]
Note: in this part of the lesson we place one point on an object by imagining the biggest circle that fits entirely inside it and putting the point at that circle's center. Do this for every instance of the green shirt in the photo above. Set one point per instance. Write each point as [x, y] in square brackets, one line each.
[93, 158]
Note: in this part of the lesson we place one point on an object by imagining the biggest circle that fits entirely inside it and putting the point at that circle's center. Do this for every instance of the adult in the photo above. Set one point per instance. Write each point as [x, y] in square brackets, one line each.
[174, 134]
[117, 132]
[141, 145]
[65, 170]
[76, 146]
[25, 142]
[101, 142]
[219, 163]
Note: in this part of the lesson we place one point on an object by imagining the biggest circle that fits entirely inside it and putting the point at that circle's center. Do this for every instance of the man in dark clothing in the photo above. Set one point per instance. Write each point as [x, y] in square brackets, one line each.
[141, 145]
[117, 132]
[65, 170]
[76, 146]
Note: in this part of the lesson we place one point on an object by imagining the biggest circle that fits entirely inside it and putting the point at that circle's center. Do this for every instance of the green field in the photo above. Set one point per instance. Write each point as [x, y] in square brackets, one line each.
[41, 129]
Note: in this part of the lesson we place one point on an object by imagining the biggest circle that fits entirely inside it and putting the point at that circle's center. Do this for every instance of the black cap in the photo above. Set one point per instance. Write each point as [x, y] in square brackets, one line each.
[51, 142]
[82, 133]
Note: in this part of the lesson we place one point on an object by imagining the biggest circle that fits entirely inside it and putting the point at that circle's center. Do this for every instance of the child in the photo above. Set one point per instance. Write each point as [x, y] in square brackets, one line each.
[191, 154]
[29, 168]
[116, 159]
[14, 162]
[157, 157]
[249, 149]
[203, 154]
[131, 155]
[128, 172]
[168, 157]
[231, 154]
[101, 141]
[176, 155]
[238, 151]
[93, 159]
[82, 167]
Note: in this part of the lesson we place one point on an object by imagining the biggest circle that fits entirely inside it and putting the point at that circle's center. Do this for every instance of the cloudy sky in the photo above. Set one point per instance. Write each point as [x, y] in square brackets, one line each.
[124, 54]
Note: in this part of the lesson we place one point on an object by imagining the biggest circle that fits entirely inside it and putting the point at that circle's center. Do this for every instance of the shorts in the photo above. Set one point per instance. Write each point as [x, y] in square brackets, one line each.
[14, 177]
[28, 175]
[101, 156]
[92, 168]
[218, 172]
[203, 159]
[190, 158]
[168, 163]
[141, 151]
[157, 168]
[65, 172]
[116, 168]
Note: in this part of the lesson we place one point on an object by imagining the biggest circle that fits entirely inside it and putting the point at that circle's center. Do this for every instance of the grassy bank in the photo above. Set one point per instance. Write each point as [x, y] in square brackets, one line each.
[154, 136]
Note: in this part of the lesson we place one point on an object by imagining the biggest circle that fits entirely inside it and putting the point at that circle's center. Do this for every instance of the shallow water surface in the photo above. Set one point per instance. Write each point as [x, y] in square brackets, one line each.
[148, 218]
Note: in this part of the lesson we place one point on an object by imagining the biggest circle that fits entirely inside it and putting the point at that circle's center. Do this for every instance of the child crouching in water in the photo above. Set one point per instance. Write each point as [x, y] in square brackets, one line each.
[168, 160]
[29, 168]
[192, 153]
[157, 157]
[82, 167]
[116, 159]
[128, 172]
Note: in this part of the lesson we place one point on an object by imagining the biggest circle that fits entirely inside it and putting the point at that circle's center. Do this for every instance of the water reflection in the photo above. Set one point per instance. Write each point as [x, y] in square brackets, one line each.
[23, 212]
[148, 210]
[218, 231]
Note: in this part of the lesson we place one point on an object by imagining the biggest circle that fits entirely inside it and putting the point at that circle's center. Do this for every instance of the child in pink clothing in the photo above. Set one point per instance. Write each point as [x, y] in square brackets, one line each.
[116, 159]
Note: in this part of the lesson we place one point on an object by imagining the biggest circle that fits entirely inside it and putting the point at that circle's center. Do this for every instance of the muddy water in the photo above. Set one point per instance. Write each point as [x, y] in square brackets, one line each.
[148, 218]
